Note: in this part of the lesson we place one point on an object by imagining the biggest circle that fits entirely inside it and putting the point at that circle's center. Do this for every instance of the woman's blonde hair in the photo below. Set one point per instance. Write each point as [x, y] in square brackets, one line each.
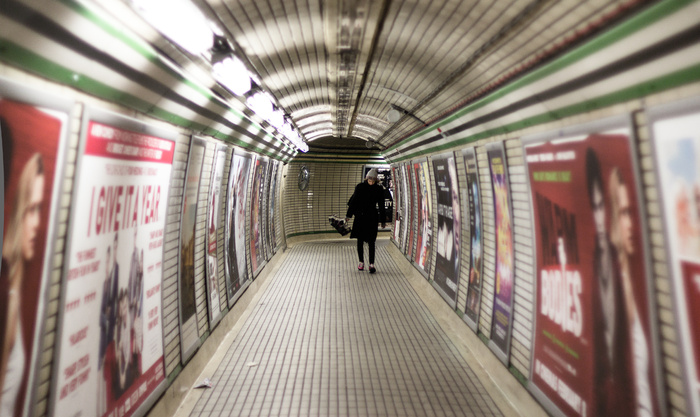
[12, 245]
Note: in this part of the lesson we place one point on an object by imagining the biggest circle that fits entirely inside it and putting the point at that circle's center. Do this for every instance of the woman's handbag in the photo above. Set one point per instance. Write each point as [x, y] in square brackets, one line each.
[339, 224]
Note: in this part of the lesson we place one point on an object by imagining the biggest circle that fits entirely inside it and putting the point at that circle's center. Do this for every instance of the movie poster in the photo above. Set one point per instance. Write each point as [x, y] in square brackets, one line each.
[397, 206]
[234, 236]
[272, 201]
[424, 211]
[449, 226]
[503, 287]
[476, 241]
[257, 249]
[33, 129]
[410, 179]
[405, 208]
[189, 331]
[213, 224]
[110, 340]
[593, 344]
[676, 138]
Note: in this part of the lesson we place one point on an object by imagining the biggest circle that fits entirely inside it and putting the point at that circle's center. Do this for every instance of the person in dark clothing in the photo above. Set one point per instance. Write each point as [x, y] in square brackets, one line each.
[367, 205]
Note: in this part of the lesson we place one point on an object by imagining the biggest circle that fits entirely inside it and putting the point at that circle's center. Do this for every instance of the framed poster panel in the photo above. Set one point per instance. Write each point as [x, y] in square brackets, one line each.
[269, 215]
[410, 197]
[396, 236]
[446, 276]
[593, 342]
[676, 137]
[264, 211]
[189, 331]
[34, 128]
[257, 248]
[213, 224]
[476, 239]
[503, 220]
[274, 181]
[405, 207]
[109, 356]
[236, 261]
[423, 217]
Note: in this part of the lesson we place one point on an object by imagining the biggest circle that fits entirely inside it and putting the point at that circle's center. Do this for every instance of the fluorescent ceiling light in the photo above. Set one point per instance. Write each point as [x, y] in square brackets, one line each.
[232, 73]
[261, 104]
[277, 119]
[180, 21]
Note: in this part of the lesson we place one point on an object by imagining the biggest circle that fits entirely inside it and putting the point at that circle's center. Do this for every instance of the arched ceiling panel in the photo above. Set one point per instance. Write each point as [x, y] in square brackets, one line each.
[337, 67]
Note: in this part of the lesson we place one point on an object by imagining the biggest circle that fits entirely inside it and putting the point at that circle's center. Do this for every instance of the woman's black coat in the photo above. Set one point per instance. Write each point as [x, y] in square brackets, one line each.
[367, 205]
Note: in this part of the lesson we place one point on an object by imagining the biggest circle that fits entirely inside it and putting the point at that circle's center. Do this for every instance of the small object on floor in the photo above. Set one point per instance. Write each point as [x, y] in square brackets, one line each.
[372, 269]
[206, 383]
[361, 266]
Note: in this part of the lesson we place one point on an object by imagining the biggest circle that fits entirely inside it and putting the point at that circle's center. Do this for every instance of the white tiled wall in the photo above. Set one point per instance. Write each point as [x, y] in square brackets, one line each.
[330, 188]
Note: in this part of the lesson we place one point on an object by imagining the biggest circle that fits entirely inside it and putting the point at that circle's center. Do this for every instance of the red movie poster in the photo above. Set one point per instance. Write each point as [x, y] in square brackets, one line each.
[593, 353]
[397, 205]
[110, 357]
[32, 138]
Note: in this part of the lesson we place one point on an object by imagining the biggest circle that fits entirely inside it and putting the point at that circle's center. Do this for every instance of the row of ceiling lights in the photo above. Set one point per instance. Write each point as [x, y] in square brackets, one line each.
[185, 25]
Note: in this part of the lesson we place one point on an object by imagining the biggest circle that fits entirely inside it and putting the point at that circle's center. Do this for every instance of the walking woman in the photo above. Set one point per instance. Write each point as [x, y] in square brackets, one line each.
[367, 205]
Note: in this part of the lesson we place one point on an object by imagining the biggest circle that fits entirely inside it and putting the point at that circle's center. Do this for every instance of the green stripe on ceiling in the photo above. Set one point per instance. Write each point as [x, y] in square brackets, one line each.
[30, 61]
[673, 80]
[145, 50]
[625, 29]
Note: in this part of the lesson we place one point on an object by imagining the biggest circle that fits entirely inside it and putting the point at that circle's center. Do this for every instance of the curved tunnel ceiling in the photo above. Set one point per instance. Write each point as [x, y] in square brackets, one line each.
[337, 67]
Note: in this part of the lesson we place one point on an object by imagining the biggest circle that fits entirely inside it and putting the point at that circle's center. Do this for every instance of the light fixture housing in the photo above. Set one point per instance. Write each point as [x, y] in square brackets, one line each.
[393, 115]
[178, 20]
[232, 73]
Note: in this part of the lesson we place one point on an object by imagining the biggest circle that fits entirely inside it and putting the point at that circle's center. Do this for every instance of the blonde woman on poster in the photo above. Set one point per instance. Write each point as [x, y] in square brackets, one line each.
[19, 248]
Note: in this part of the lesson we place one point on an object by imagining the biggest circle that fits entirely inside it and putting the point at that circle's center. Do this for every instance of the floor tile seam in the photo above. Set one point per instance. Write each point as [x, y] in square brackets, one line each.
[389, 338]
[318, 335]
[417, 365]
[237, 350]
[304, 331]
[291, 342]
[270, 364]
[460, 360]
[388, 357]
[219, 379]
[359, 391]
[377, 353]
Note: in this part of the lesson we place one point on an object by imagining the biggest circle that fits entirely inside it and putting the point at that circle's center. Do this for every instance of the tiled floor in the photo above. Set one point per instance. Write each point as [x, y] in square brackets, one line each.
[328, 340]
